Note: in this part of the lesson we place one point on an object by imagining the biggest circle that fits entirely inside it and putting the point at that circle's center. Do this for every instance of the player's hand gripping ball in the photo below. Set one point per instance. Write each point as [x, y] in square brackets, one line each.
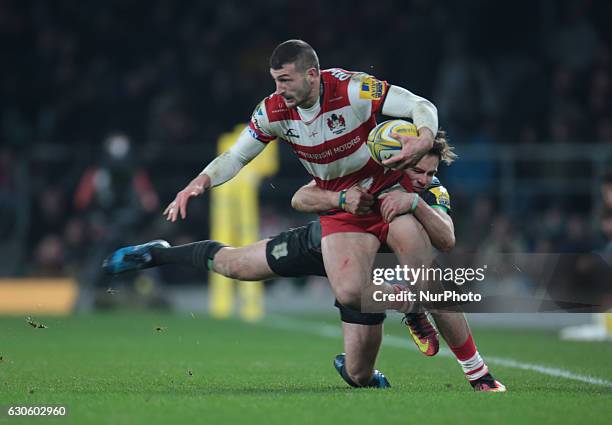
[380, 143]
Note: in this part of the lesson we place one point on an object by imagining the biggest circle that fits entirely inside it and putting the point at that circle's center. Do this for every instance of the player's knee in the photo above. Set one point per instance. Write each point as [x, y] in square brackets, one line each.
[233, 271]
[240, 269]
[446, 244]
[296, 202]
[230, 263]
[413, 228]
[349, 297]
[409, 237]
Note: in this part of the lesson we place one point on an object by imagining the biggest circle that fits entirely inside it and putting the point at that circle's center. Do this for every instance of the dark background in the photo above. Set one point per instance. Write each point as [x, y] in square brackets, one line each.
[523, 89]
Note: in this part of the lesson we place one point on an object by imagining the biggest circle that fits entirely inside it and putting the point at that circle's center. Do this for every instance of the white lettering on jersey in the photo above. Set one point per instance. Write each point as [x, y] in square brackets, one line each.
[339, 74]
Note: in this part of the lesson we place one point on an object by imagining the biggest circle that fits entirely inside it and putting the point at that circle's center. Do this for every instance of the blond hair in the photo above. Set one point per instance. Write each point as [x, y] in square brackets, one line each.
[442, 149]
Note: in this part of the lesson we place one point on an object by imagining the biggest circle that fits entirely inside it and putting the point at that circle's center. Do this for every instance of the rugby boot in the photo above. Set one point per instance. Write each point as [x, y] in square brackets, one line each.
[488, 384]
[423, 333]
[131, 258]
[378, 380]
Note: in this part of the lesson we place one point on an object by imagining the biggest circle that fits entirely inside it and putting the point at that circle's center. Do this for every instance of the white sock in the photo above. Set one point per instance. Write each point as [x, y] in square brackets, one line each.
[474, 367]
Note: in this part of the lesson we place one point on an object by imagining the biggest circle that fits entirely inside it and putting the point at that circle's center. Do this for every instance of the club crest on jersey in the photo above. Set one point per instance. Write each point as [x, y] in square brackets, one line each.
[371, 88]
[336, 123]
[442, 196]
[280, 250]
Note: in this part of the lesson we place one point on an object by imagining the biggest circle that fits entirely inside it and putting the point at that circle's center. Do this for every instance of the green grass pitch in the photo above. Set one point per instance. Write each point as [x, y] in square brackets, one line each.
[116, 368]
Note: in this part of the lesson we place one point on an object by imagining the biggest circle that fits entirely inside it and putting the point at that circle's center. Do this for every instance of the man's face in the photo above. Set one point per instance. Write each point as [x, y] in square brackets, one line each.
[423, 172]
[294, 86]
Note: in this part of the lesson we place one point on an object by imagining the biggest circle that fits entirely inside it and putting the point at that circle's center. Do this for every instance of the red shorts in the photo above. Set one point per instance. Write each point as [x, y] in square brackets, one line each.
[342, 222]
[338, 221]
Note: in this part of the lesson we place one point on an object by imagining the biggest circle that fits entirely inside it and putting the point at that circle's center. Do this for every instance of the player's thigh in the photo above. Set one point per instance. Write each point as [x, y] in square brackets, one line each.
[244, 263]
[348, 258]
[296, 252]
[409, 241]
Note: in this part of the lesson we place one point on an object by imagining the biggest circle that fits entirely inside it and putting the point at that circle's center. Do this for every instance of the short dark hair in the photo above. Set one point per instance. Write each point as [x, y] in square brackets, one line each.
[294, 51]
[442, 149]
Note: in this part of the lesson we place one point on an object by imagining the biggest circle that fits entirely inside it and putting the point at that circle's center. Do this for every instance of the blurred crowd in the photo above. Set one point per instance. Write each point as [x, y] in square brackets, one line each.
[131, 84]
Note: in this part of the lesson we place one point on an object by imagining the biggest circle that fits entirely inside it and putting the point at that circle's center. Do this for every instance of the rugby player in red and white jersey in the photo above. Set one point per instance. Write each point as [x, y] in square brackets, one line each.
[325, 116]
[297, 252]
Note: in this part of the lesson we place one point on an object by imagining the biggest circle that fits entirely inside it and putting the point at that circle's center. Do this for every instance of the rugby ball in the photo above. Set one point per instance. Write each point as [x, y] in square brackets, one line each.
[380, 143]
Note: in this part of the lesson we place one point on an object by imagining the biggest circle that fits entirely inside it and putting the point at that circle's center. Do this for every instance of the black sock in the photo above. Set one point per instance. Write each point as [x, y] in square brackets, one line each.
[197, 254]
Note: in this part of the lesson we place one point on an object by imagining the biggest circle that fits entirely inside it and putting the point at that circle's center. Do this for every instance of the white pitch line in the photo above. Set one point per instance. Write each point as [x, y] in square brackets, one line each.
[332, 331]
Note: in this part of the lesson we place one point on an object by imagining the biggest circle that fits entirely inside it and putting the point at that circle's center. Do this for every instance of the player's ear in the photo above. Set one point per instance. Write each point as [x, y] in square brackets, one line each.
[312, 72]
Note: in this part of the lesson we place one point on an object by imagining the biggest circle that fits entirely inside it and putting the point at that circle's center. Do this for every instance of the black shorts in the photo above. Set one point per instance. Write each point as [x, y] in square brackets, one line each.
[297, 253]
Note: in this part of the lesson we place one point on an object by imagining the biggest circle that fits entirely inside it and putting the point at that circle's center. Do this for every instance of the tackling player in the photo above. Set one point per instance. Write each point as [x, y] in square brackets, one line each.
[297, 252]
[325, 116]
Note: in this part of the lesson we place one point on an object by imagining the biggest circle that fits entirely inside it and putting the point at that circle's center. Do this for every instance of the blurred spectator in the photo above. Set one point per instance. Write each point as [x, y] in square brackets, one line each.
[470, 236]
[604, 130]
[169, 123]
[543, 245]
[606, 230]
[117, 181]
[502, 238]
[566, 116]
[551, 225]
[498, 246]
[575, 41]
[75, 240]
[51, 209]
[577, 238]
[606, 189]
[15, 127]
[8, 206]
[49, 257]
